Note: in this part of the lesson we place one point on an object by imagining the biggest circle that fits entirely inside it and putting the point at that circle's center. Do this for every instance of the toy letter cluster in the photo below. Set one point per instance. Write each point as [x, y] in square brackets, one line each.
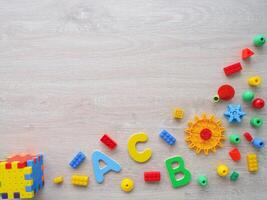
[22, 176]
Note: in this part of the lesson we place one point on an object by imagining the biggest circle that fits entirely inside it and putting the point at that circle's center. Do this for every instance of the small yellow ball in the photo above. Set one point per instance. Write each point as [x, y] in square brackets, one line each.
[222, 170]
[127, 185]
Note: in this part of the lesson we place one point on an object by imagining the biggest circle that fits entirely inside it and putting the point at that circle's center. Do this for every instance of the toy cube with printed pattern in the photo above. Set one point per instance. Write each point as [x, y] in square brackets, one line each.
[21, 176]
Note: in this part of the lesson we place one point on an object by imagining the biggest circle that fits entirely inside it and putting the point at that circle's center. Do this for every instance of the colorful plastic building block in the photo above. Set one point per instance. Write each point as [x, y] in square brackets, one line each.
[258, 143]
[246, 53]
[232, 69]
[152, 176]
[248, 136]
[202, 181]
[79, 180]
[235, 138]
[235, 154]
[256, 122]
[226, 92]
[77, 160]
[258, 103]
[248, 96]
[127, 185]
[222, 170]
[108, 141]
[110, 165]
[252, 162]
[234, 113]
[178, 113]
[234, 176]
[173, 171]
[58, 179]
[137, 156]
[205, 134]
[216, 98]
[167, 137]
[254, 81]
[21, 176]
[259, 40]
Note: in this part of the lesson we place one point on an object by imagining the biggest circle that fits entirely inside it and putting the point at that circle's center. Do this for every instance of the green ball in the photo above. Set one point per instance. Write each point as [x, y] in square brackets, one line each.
[248, 96]
[256, 122]
[216, 98]
[234, 176]
[259, 40]
[202, 181]
[235, 138]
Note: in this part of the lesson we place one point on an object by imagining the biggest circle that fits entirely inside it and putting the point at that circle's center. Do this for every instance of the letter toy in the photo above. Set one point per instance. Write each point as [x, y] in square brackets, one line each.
[234, 113]
[222, 170]
[127, 185]
[259, 40]
[252, 162]
[180, 169]
[137, 156]
[204, 134]
[111, 165]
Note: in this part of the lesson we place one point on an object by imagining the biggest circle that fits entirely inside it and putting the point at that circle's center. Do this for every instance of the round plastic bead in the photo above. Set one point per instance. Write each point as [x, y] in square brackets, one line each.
[216, 98]
[226, 92]
[127, 184]
[235, 138]
[248, 136]
[259, 40]
[202, 181]
[258, 103]
[256, 122]
[248, 96]
[254, 81]
[222, 170]
[258, 143]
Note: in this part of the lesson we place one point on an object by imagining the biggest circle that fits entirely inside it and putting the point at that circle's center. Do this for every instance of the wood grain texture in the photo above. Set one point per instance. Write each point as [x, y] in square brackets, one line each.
[73, 70]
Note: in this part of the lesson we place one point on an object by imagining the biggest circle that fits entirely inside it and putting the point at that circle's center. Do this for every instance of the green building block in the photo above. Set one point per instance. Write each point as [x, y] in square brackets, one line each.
[234, 176]
[259, 40]
[202, 181]
[234, 138]
[248, 96]
[256, 122]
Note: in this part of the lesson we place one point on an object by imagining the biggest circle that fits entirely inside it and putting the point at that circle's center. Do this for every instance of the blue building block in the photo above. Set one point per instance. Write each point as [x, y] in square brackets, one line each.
[77, 160]
[258, 143]
[234, 113]
[167, 137]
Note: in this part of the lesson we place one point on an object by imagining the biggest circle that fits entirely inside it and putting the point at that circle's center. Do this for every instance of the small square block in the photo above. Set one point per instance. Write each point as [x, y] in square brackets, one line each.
[4, 196]
[235, 154]
[234, 176]
[16, 195]
[178, 113]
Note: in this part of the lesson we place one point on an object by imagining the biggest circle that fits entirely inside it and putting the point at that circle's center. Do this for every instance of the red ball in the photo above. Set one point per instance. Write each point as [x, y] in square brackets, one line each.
[226, 92]
[258, 103]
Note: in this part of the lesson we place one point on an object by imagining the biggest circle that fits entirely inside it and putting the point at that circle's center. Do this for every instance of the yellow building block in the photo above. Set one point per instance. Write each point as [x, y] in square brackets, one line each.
[254, 81]
[58, 179]
[138, 156]
[80, 180]
[252, 162]
[178, 113]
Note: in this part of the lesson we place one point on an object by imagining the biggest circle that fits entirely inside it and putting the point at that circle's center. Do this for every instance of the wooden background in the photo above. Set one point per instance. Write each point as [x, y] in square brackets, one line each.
[73, 70]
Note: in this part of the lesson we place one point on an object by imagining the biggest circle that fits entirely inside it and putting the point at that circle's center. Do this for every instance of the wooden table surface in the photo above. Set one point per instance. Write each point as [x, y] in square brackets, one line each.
[72, 70]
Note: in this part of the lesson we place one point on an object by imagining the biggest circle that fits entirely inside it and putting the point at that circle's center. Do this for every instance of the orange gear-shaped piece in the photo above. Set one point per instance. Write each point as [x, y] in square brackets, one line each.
[204, 134]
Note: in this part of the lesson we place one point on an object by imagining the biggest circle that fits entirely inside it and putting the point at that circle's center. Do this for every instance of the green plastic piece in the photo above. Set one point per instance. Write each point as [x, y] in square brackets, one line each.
[179, 169]
[216, 98]
[248, 96]
[202, 181]
[256, 122]
[235, 138]
[234, 176]
[259, 40]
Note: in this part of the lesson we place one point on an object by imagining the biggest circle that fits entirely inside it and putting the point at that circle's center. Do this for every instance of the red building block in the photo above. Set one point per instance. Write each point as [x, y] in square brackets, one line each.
[235, 154]
[110, 143]
[248, 136]
[246, 53]
[152, 176]
[232, 69]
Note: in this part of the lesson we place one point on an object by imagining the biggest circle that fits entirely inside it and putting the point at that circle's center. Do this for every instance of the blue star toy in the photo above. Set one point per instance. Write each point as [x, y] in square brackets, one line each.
[234, 113]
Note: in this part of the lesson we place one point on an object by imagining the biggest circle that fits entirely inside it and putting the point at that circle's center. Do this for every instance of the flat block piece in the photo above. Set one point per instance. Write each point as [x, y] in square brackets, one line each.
[167, 137]
[79, 180]
[152, 176]
[58, 179]
[178, 113]
[232, 69]
[108, 141]
[235, 154]
[77, 160]
[252, 162]
[246, 53]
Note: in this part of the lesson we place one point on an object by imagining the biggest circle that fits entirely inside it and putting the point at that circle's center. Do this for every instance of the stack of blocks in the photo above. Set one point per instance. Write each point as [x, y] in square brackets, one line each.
[21, 176]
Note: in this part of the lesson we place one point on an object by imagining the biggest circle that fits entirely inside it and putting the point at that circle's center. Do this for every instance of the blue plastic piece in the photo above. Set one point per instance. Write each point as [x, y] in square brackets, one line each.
[258, 143]
[234, 113]
[111, 165]
[77, 160]
[167, 137]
